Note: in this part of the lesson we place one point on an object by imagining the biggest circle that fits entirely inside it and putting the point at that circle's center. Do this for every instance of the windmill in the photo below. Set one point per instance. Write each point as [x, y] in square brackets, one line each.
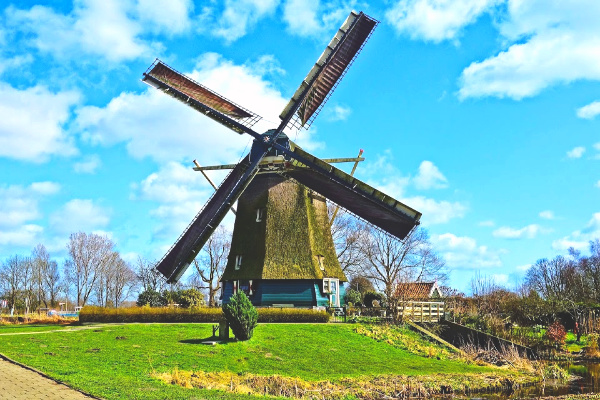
[282, 251]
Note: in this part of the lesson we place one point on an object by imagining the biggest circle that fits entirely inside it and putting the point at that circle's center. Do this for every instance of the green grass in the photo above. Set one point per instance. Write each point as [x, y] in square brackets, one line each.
[17, 328]
[116, 361]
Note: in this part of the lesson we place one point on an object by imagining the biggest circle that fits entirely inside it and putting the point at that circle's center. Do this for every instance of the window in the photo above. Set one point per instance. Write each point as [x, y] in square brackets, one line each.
[238, 262]
[330, 285]
[260, 213]
[320, 258]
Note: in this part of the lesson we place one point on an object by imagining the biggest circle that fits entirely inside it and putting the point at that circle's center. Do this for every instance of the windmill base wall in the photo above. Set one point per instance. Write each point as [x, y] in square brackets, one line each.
[285, 293]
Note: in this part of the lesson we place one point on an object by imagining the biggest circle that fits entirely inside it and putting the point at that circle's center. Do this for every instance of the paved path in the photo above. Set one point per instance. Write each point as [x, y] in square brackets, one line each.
[17, 382]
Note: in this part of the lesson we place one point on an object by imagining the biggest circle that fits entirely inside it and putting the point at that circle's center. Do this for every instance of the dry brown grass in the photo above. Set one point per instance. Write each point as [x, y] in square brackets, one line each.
[367, 388]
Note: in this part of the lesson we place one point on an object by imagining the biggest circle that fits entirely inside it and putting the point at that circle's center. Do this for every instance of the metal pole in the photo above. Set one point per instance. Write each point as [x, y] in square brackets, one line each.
[337, 208]
[211, 182]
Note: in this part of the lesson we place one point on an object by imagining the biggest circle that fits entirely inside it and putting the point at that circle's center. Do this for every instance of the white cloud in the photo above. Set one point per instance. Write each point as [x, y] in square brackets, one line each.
[523, 268]
[487, 223]
[500, 279]
[20, 204]
[464, 252]
[313, 18]
[23, 235]
[436, 212]
[157, 126]
[79, 215]
[577, 152]
[336, 112]
[389, 180]
[589, 111]
[527, 232]
[597, 184]
[180, 193]
[20, 207]
[88, 165]
[16, 62]
[31, 123]
[102, 28]
[580, 238]
[547, 214]
[436, 20]
[240, 16]
[429, 177]
[550, 42]
[166, 16]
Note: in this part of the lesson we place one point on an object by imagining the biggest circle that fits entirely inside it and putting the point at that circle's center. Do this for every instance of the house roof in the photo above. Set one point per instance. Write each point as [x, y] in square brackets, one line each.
[417, 290]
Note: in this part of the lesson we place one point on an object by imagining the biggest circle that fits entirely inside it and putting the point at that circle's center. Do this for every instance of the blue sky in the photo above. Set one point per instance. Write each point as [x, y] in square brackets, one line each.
[481, 114]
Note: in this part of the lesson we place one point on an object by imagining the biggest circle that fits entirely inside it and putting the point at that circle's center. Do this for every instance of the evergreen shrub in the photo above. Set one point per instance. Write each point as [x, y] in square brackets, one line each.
[241, 316]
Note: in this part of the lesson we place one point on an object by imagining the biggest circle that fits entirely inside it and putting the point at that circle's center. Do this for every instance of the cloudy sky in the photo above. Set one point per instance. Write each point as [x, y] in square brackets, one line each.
[481, 114]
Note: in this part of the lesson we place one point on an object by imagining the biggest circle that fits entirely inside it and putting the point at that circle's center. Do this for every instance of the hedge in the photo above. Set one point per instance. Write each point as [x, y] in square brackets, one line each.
[291, 315]
[199, 315]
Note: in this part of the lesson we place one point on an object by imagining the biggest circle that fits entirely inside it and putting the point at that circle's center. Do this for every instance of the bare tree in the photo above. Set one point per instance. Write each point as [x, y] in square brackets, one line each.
[211, 264]
[12, 279]
[148, 276]
[124, 280]
[52, 283]
[349, 237]
[390, 261]
[89, 256]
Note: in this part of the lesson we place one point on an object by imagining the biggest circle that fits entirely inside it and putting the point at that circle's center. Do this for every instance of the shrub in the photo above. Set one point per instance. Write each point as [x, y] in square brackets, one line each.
[198, 315]
[191, 298]
[241, 316]
[291, 315]
[353, 296]
[592, 349]
[370, 296]
[148, 314]
[556, 334]
[149, 298]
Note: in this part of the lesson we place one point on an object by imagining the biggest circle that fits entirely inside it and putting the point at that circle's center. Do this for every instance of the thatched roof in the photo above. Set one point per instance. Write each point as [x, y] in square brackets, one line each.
[418, 290]
[291, 238]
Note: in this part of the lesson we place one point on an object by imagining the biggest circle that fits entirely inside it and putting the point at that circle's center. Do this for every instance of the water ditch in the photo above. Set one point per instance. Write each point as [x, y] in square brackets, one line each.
[587, 381]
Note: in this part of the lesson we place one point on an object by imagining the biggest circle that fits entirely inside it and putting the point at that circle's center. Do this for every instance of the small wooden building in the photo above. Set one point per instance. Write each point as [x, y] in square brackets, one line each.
[420, 301]
[418, 291]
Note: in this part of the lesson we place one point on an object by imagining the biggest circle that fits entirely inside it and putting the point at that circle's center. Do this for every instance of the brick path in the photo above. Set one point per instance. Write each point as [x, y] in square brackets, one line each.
[17, 382]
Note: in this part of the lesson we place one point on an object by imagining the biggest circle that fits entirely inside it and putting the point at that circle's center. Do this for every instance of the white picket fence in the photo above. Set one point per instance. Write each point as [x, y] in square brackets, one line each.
[421, 311]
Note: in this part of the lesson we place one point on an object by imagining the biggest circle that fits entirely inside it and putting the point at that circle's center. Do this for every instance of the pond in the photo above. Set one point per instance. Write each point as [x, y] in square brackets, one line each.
[588, 381]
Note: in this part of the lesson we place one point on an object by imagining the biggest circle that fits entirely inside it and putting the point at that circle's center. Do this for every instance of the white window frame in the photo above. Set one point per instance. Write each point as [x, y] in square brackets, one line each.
[238, 262]
[260, 213]
[320, 259]
[327, 285]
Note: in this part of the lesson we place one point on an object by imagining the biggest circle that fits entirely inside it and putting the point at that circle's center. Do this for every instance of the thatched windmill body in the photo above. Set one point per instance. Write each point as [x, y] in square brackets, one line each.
[282, 252]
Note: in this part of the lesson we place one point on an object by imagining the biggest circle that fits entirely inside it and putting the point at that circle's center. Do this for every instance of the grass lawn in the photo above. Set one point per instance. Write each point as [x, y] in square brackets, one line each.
[116, 361]
[18, 328]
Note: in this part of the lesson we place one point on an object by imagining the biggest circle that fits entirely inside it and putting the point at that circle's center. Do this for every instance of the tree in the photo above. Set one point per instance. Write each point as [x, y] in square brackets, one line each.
[210, 267]
[148, 276]
[12, 278]
[362, 284]
[390, 261]
[149, 297]
[241, 316]
[349, 235]
[89, 256]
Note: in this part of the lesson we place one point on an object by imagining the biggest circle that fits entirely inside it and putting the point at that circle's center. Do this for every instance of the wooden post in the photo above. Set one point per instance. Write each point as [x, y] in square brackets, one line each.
[223, 330]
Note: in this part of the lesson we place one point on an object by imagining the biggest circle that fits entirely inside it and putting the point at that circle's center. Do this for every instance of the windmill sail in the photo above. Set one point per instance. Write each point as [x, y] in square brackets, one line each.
[329, 69]
[189, 244]
[350, 193]
[199, 97]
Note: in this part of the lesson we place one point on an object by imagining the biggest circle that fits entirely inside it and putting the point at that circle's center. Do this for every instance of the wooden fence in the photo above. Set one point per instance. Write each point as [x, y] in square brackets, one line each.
[421, 311]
